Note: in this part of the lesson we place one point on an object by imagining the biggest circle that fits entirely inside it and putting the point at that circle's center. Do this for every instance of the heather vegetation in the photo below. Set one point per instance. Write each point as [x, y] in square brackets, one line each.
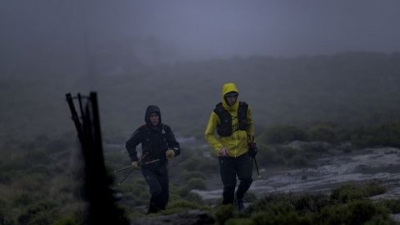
[304, 108]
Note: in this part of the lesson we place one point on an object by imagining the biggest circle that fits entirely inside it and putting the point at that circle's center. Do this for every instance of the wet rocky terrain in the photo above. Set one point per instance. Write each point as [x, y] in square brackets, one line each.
[376, 164]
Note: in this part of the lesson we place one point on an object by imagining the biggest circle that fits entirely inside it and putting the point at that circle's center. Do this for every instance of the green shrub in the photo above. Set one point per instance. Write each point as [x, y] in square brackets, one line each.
[324, 133]
[239, 221]
[22, 199]
[196, 183]
[354, 212]
[299, 160]
[391, 204]
[381, 220]
[268, 156]
[373, 188]
[187, 174]
[40, 213]
[193, 197]
[136, 193]
[350, 192]
[315, 148]
[306, 203]
[287, 152]
[347, 193]
[183, 205]
[224, 212]
[291, 218]
[292, 156]
[66, 220]
[181, 191]
[191, 164]
[283, 134]
[362, 211]
[38, 156]
[383, 135]
[332, 215]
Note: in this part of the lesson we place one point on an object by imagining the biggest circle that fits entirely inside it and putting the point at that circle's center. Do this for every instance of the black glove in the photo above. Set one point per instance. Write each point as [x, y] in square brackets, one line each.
[253, 150]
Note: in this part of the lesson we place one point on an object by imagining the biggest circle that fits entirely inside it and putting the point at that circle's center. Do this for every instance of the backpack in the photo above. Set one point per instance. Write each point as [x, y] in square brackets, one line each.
[225, 127]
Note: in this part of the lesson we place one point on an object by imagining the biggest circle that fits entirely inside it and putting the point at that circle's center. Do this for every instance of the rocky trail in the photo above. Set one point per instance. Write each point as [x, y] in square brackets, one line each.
[379, 164]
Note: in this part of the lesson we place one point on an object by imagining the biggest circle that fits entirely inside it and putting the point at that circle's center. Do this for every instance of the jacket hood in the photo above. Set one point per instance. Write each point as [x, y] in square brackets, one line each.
[226, 88]
[151, 109]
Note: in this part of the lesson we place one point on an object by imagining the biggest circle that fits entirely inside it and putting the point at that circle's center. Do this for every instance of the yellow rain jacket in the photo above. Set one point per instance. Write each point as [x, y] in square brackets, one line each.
[237, 143]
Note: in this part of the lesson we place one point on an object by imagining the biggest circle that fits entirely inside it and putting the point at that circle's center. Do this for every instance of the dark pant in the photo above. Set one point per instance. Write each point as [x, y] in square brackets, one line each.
[157, 178]
[230, 167]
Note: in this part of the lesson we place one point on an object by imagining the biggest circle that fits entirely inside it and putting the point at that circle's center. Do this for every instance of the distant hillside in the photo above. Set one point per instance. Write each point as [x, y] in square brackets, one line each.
[349, 89]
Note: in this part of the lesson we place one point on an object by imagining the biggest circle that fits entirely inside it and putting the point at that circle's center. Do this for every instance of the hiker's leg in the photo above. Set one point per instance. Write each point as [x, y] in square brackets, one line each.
[244, 172]
[155, 190]
[228, 177]
[164, 182]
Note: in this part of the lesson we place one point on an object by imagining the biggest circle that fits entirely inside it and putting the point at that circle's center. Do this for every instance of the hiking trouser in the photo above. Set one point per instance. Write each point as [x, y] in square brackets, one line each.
[157, 178]
[230, 168]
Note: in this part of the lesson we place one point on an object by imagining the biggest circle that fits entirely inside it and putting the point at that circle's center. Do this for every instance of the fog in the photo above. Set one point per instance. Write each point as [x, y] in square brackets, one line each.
[188, 29]
[52, 47]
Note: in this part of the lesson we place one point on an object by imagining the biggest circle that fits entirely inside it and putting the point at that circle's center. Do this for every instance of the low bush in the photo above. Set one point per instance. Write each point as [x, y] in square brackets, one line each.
[184, 205]
[283, 134]
[323, 132]
[382, 135]
[391, 204]
[196, 183]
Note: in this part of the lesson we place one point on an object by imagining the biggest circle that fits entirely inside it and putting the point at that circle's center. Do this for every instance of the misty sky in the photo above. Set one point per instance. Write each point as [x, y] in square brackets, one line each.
[208, 27]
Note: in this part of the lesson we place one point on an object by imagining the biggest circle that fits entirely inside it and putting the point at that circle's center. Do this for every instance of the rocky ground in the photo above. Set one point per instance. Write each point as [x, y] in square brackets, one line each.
[380, 164]
[375, 164]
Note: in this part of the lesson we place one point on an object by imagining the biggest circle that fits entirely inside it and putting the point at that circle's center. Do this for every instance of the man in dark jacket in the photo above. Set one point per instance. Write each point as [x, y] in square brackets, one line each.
[158, 146]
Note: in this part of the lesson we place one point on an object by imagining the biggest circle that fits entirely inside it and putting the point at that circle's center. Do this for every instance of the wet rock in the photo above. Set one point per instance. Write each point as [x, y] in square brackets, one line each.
[380, 164]
[301, 145]
[396, 217]
[193, 217]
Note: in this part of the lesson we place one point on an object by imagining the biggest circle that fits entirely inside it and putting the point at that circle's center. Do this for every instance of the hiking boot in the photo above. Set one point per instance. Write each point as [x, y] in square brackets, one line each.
[239, 204]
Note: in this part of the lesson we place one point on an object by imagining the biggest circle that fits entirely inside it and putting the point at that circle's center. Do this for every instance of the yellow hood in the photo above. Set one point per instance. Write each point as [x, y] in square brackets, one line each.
[226, 88]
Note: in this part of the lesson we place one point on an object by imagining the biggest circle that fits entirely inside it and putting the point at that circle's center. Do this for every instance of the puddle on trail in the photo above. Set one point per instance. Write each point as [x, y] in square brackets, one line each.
[380, 164]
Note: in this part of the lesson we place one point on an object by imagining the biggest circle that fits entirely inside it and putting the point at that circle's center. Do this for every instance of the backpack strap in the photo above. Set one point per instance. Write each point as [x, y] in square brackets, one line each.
[224, 128]
[242, 115]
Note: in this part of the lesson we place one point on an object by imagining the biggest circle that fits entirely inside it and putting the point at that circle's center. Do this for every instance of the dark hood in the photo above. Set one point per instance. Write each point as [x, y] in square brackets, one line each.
[151, 109]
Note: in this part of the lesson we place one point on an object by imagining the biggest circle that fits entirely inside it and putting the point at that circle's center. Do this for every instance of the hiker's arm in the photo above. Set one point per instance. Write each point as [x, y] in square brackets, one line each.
[131, 144]
[209, 133]
[172, 143]
[250, 127]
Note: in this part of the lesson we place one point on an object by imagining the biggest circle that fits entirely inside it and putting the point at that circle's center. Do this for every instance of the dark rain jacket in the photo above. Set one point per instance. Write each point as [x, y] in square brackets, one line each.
[155, 140]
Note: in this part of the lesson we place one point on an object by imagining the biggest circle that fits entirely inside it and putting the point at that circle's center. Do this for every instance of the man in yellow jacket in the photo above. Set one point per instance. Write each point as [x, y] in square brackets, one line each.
[229, 131]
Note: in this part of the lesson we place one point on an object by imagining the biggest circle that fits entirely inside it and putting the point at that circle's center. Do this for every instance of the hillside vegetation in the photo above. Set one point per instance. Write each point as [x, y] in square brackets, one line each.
[321, 100]
[350, 89]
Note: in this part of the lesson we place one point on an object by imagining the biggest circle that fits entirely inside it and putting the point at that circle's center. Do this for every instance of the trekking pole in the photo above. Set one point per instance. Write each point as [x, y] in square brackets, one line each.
[258, 172]
[125, 168]
[122, 169]
[126, 176]
[251, 143]
[129, 167]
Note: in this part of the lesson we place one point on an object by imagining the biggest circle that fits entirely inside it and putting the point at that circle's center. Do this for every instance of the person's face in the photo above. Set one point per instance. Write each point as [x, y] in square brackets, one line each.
[231, 100]
[154, 119]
